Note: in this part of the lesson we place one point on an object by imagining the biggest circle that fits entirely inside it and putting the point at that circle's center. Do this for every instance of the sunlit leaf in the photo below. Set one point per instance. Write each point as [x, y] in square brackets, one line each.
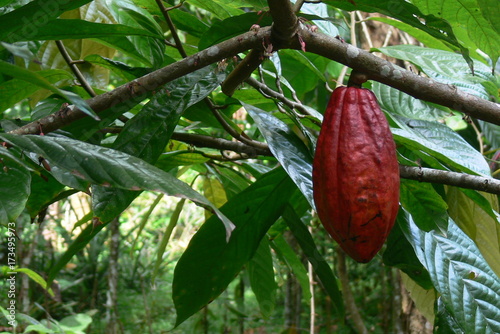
[469, 289]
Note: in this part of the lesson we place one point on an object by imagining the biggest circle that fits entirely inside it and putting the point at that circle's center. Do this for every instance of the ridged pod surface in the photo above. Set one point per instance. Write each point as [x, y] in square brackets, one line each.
[356, 173]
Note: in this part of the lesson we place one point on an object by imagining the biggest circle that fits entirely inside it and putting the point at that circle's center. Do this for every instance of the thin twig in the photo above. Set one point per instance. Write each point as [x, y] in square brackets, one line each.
[271, 94]
[171, 26]
[75, 69]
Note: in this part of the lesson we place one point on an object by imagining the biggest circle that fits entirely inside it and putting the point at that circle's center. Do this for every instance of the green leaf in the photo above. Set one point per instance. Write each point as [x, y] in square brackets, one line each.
[214, 192]
[261, 274]
[209, 264]
[290, 151]
[80, 29]
[491, 132]
[466, 18]
[188, 23]
[306, 62]
[469, 289]
[396, 102]
[489, 10]
[441, 142]
[75, 323]
[104, 166]
[220, 8]
[150, 50]
[43, 190]
[26, 20]
[424, 203]
[320, 10]
[477, 224]
[146, 134]
[36, 278]
[407, 13]
[16, 90]
[424, 38]
[38, 80]
[233, 26]
[319, 264]
[15, 181]
[444, 66]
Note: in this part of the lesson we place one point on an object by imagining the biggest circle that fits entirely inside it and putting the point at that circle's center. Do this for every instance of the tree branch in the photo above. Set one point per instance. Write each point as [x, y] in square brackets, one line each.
[278, 96]
[284, 28]
[461, 180]
[392, 75]
[74, 68]
[220, 144]
[480, 183]
[130, 94]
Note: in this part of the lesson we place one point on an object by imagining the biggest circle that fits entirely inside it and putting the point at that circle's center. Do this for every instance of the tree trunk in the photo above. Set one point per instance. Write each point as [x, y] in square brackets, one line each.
[113, 325]
[348, 297]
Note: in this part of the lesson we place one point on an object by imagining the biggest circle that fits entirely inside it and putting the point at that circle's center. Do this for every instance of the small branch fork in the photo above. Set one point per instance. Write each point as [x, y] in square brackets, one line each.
[287, 32]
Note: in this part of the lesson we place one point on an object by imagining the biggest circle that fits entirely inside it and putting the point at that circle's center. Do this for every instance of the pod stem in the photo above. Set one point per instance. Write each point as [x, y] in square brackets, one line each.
[357, 79]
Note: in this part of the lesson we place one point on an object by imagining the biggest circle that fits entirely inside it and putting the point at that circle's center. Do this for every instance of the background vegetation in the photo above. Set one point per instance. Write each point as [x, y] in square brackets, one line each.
[108, 106]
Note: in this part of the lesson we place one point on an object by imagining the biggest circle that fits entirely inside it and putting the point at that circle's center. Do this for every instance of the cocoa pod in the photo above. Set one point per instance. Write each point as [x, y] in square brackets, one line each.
[356, 173]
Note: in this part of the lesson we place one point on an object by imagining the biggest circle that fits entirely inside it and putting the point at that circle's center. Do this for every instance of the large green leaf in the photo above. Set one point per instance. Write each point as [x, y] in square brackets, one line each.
[150, 49]
[146, 135]
[38, 80]
[15, 188]
[441, 142]
[220, 31]
[16, 90]
[479, 226]
[220, 8]
[409, 14]
[26, 20]
[445, 66]
[79, 29]
[105, 166]
[469, 289]
[209, 264]
[424, 203]
[290, 151]
[261, 274]
[44, 189]
[466, 19]
[396, 102]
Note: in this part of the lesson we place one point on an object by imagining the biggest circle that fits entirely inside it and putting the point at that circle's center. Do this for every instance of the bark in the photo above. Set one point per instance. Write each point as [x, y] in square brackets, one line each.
[347, 292]
[113, 325]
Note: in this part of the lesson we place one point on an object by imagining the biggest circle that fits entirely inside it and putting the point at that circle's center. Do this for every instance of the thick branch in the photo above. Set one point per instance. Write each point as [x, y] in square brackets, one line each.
[285, 22]
[130, 94]
[385, 72]
[284, 28]
[467, 181]
[243, 71]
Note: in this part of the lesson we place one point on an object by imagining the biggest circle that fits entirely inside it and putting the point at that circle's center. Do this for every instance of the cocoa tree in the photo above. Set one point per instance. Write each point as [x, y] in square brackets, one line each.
[235, 90]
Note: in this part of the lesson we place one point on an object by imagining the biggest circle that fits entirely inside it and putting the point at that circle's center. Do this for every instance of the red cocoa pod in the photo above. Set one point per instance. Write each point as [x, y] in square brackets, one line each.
[356, 173]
